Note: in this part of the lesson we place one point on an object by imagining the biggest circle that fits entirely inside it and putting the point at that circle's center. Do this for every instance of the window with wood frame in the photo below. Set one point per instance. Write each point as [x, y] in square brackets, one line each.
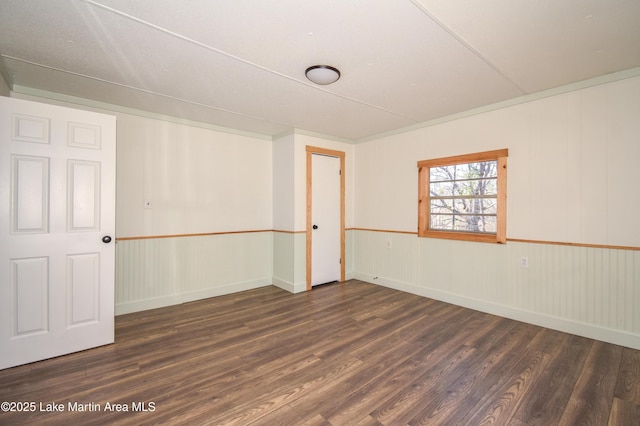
[464, 197]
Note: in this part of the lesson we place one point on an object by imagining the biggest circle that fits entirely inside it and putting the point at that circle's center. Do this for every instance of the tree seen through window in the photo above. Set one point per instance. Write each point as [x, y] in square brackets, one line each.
[463, 197]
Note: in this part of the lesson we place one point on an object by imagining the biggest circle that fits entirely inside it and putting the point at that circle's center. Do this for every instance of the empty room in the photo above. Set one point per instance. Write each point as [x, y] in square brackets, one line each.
[383, 212]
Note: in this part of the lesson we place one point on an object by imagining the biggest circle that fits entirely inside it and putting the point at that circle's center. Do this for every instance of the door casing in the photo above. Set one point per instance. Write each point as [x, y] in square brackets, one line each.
[332, 153]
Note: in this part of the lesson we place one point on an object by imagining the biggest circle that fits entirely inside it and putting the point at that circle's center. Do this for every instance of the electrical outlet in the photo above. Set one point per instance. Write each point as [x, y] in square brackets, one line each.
[524, 262]
[388, 244]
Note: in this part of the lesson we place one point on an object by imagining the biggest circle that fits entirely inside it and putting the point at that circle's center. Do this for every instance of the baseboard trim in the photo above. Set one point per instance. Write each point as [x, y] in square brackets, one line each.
[289, 286]
[616, 337]
[301, 286]
[176, 299]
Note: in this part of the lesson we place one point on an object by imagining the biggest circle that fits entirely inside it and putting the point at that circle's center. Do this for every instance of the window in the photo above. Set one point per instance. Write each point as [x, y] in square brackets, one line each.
[464, 197]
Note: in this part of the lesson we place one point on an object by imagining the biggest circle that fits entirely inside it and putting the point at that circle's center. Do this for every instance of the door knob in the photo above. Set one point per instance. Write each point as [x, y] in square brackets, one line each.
[315, 226]
[106, 239]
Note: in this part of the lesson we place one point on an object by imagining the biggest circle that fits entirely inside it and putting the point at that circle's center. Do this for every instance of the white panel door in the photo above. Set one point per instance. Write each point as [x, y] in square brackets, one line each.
[325, 216]
[57, 229]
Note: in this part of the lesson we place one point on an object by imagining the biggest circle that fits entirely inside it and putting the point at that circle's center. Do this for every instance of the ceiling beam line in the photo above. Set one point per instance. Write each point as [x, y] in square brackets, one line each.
[464, 43]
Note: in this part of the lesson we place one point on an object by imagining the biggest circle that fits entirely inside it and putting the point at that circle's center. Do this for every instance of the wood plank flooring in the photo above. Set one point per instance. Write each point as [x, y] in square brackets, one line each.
[344, 354]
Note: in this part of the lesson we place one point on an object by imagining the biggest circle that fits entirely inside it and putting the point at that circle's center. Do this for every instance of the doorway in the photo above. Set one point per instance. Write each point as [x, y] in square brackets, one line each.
[325, 216]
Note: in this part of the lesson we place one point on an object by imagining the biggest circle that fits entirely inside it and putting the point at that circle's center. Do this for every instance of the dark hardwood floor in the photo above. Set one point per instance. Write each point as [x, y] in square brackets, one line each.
[342, 354]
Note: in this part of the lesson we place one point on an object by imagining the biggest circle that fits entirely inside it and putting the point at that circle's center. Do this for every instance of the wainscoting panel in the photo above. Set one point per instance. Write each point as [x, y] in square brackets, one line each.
[157, 272]
[289, 261]
[593, 292]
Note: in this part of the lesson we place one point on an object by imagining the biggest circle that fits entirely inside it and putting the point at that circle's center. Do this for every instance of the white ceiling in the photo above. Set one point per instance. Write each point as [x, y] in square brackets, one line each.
[240, 63]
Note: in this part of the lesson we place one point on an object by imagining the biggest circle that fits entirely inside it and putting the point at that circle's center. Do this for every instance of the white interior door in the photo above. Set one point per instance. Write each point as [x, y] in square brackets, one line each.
[325, 216]
[57, 224]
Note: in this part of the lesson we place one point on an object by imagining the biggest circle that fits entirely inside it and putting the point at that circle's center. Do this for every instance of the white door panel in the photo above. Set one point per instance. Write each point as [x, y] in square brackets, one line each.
[57, 185]
[325, 216]
[30, 282]
[29, 194]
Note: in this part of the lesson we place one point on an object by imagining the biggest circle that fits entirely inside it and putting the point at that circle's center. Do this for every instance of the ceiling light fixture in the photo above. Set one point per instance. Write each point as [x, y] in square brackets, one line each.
[322, 74]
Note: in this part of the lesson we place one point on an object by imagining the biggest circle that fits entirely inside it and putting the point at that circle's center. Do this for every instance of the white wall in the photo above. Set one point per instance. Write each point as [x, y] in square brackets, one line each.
[572, 161]
[284, 189]
[197, 180]
[5, 89]
[572, 179]
[288, 265]
[4, 86]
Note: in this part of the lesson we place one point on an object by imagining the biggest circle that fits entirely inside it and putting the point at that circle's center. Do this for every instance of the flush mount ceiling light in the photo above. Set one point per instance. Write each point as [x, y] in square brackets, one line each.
[322, 74]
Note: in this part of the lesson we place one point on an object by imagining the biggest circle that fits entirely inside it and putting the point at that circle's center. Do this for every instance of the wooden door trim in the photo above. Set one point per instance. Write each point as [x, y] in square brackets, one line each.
[331, 153]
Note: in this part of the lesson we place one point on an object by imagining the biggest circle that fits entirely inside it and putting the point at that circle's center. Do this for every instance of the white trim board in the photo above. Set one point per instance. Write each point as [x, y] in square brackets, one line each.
[175, 299]
[591, 331]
